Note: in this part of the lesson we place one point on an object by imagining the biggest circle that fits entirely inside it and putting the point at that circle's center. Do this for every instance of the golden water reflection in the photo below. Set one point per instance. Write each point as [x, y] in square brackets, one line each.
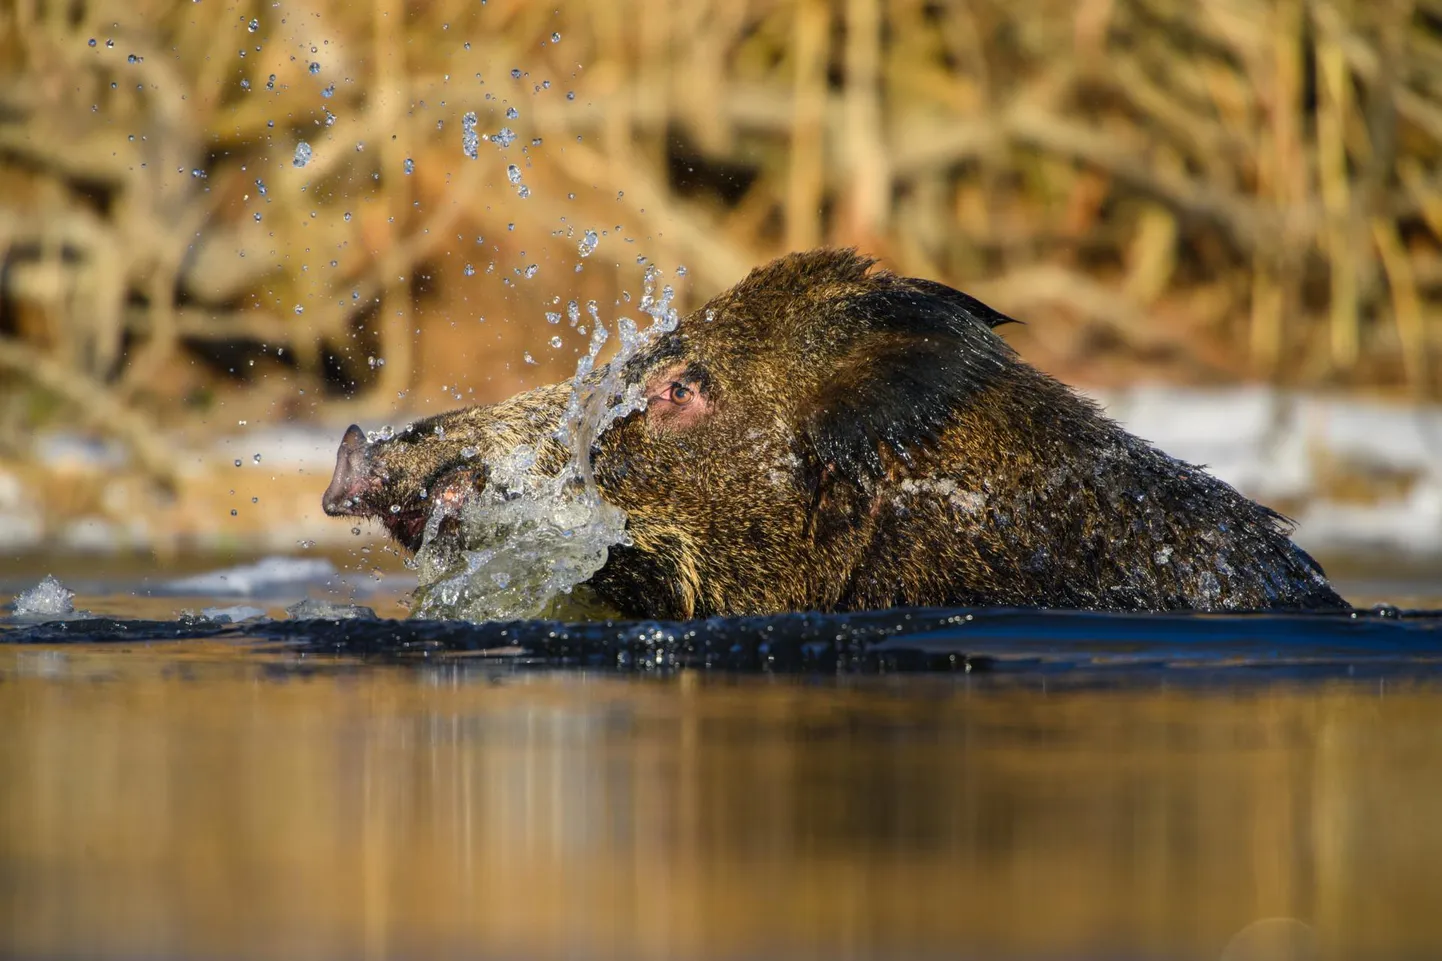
[194, 803]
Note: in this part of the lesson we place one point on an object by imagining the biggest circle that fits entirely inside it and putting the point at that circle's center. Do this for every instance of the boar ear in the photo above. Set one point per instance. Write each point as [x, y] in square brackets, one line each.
[926, 352]
[923, 297]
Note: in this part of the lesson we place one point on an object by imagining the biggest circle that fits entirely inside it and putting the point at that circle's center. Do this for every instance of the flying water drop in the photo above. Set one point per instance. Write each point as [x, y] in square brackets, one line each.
[470, 140]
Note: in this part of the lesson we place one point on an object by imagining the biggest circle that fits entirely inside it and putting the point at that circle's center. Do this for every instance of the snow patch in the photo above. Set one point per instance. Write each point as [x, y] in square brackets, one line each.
[266, 576]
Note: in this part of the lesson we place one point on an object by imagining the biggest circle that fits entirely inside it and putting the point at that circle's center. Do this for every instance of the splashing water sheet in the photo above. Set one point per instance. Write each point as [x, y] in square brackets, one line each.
[529, 541]
[48, 600]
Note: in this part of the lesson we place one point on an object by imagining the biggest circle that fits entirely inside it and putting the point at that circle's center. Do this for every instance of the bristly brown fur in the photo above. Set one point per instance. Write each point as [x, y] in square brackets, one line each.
[869, 441]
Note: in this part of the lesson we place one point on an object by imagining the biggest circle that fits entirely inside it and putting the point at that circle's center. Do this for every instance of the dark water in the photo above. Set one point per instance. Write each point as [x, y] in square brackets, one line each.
[909, 784]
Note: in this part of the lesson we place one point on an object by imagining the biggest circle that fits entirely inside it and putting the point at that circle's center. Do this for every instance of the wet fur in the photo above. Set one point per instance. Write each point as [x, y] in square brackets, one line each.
[872, 442]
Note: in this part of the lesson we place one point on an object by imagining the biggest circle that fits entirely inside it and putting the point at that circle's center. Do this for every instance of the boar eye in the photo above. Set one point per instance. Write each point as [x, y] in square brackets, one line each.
[681, 395]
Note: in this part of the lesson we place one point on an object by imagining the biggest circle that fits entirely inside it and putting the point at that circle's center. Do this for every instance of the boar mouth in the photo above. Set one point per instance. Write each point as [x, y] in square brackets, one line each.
[407, 528]
[449, 489]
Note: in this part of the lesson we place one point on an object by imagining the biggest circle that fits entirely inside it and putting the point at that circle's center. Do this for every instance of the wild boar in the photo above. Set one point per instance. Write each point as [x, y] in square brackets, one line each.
[830, 436]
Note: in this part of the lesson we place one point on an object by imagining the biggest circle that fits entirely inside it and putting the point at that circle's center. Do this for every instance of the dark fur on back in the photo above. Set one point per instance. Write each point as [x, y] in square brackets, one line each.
[939, 468]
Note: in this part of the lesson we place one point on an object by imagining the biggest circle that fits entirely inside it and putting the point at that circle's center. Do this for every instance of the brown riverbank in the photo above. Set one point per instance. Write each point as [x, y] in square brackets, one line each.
[217, 214]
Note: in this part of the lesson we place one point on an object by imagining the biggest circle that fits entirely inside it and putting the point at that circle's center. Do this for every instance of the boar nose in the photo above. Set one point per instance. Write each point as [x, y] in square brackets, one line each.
[350, 472]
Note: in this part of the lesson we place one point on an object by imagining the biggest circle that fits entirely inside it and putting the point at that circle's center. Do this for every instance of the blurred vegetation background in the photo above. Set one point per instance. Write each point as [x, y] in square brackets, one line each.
[214, 211]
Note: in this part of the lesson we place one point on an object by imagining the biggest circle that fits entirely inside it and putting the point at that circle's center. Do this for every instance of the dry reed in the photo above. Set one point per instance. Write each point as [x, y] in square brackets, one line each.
[1235, 189]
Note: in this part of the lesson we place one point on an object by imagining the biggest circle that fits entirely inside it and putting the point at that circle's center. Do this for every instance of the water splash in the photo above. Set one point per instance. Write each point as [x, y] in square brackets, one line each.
[314, 609]
[531, 539]
[48, 599]
[470, 139]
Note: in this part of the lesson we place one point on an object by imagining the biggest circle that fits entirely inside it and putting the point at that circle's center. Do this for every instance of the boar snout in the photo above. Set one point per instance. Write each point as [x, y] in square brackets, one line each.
[343, 495]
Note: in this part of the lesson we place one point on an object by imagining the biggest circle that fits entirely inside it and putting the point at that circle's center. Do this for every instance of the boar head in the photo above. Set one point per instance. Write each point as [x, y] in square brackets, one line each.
[400, 478]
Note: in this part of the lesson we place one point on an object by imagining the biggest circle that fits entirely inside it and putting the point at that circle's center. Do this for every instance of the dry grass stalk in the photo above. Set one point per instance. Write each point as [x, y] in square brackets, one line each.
[1211, 191]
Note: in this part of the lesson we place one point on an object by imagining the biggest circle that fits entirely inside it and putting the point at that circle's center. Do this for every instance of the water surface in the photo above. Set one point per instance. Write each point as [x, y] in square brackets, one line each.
[907, 785]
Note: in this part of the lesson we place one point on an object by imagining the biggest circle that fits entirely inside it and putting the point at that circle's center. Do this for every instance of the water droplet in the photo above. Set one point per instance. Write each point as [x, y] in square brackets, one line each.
[92, 41]
[588, 243]
[410, 166]
[237, 462]
[470, 140]
[531, 271]
[328, 92]
[347, 216]
[552, 317]
[470, 270]
[556, 342]
[253, 26]
[134, 59]
[395, 508]
[555, 38]
[234, 512]
[256, 459]
[255, 500]
[299, 309]
[515, 73]
[513, 174]
[314, 67]
[505, 136]
[570, 95]
[302, 154]
[528, 358]
[512, 113]
[469, 452]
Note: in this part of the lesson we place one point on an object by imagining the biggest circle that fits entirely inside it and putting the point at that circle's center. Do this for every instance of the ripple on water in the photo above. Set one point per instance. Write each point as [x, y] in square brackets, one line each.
[1065, 646]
